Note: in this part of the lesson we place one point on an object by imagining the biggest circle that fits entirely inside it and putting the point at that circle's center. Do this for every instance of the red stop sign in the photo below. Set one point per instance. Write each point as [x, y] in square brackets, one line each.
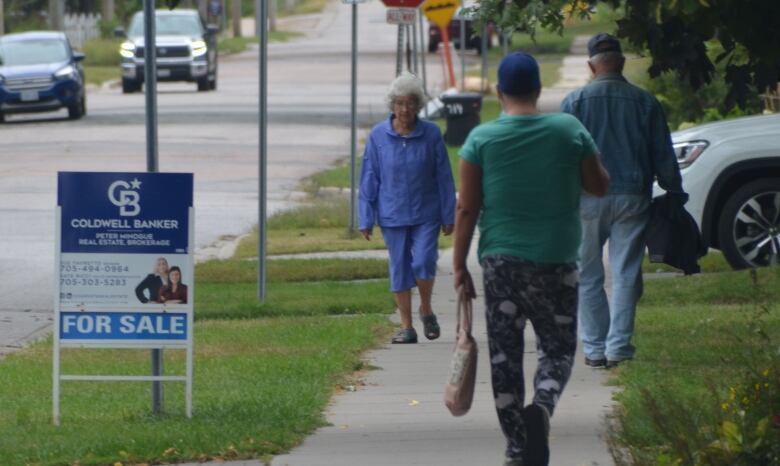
[402, 3]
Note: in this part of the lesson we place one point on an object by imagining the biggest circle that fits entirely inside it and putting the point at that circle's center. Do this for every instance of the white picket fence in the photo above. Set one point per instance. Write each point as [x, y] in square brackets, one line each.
[81, 27]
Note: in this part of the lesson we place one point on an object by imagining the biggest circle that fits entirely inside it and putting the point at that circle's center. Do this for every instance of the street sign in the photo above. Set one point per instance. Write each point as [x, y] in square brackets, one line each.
[440, 12]
[402, 3]
[401, 15]
[124, 268]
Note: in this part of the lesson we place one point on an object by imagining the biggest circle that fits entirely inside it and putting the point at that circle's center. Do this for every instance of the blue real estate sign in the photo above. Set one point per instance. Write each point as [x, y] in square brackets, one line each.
[125, 257]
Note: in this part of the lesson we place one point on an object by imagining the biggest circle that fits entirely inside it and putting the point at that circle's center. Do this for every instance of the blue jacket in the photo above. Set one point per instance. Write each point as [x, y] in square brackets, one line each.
[630, 130]
[406, 180]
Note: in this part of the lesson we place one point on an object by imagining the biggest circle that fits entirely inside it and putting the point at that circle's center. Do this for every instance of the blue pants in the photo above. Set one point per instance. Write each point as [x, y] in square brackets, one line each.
[606, 327]
[414, 251]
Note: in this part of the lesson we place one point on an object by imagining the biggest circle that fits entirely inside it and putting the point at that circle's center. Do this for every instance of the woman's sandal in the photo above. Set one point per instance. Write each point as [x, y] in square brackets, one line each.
[404, 336]
[430, 326]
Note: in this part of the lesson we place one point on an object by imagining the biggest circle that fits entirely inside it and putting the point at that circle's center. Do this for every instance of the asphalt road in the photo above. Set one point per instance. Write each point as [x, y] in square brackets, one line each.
[213, 135]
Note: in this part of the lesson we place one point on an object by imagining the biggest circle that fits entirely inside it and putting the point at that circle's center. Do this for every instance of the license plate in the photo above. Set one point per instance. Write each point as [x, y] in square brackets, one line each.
[30, 96]
[163, 73]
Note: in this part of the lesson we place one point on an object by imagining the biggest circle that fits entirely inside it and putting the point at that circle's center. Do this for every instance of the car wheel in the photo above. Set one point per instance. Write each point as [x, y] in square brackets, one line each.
[128, 87]
[213, 84]
[2, 118]
[433, 46]
[203, 84]
[749, 225]
[77, 111]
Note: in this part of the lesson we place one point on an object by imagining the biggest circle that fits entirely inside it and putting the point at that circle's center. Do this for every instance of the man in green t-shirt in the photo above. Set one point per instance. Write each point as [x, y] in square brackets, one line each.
[522, 176]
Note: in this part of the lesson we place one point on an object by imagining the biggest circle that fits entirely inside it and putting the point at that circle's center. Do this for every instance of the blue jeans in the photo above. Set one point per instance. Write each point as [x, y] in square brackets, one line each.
[606, 327]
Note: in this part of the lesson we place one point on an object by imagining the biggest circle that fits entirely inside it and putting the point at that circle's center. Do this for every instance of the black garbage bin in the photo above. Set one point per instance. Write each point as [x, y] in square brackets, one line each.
[462, 111]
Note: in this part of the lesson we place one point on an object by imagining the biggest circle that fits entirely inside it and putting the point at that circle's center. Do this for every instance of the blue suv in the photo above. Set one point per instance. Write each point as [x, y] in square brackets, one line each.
[39, 72]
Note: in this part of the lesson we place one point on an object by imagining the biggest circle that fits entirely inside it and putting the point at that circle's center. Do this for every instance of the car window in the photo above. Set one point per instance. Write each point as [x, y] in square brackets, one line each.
[33, 52]
[179, 25]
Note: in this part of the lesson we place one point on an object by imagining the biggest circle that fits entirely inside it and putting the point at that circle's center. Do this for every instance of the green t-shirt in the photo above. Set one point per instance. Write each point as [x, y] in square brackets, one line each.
[531, 185]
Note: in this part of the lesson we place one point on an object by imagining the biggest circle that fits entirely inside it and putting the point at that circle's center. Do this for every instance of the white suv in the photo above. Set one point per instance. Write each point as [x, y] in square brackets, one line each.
[731, 169]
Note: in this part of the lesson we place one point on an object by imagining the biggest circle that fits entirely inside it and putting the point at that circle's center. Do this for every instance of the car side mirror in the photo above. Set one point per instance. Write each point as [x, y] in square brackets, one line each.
[78, 56]
[212, 29]
[120, 33]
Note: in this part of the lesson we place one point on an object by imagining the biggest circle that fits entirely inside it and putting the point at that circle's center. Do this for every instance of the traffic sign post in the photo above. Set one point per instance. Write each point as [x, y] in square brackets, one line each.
[440, 13]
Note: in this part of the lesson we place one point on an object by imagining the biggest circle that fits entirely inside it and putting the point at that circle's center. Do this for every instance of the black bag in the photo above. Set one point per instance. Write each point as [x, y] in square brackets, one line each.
[672, 235]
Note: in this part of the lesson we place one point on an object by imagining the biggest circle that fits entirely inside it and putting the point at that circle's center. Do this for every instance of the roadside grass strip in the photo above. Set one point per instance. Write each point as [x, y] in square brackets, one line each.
[292, 270]
[712, 262]
[697, 338]
[260, 387]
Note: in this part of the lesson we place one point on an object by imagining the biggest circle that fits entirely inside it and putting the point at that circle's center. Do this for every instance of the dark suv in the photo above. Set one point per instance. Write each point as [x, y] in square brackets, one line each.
[186, 50]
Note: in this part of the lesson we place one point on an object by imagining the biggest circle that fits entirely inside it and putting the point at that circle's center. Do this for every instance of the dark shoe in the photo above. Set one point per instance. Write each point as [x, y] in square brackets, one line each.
[537, 433]
[513, 462]
[613, 364]
[430, 326]
[405, 336]
[595, 362]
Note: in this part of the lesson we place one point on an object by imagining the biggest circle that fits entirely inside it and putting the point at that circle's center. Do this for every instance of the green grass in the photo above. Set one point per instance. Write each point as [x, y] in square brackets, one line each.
[231, 45]
[102, 52]
[305, 7]
[214, 300]
[712, 262]
[693, 341]
[260, 386]
[296, 270]
[99, 74]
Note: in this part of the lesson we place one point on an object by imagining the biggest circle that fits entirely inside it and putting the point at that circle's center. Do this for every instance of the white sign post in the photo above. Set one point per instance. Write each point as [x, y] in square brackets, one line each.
[125, 269]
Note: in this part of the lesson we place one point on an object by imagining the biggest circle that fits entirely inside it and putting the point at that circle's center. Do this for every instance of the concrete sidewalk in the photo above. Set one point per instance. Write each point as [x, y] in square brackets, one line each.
[398, 417]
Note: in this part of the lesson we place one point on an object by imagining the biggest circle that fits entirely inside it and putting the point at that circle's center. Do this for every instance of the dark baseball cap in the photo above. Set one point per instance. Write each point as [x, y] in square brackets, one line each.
[603, 42]
[518, 74]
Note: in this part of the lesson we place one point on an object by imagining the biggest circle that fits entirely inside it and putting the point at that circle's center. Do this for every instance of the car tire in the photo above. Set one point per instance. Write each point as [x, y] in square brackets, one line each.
[204, 84]
[213, 84]
[749, 224]
[2, 118]
[79, 110]
[128, 86]
[433, 46]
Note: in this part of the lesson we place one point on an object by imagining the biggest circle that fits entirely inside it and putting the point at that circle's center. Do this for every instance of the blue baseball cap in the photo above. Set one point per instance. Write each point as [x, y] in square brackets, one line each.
[518, 74]
[603, 42]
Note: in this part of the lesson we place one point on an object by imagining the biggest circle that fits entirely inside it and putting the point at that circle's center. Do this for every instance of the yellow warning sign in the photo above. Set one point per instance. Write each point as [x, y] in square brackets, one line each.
[440, 12]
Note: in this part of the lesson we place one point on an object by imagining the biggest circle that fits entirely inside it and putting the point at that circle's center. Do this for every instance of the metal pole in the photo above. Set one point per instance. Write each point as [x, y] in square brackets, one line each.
[263, 147]
[2, 18]
[399, 52]
[353, 223]
[462, 44]
[235, 9]
[422, 56]
[150, 90]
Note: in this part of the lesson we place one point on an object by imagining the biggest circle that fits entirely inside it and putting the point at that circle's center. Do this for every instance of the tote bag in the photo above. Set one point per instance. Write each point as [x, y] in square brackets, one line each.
[459, 390]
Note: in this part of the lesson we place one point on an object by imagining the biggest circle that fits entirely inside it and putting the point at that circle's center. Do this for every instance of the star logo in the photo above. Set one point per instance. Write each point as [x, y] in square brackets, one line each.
[135, 184]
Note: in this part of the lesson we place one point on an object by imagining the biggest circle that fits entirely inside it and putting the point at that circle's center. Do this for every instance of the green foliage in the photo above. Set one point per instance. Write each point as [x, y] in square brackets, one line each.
[678, 35]
[704, 389]
[102, 52]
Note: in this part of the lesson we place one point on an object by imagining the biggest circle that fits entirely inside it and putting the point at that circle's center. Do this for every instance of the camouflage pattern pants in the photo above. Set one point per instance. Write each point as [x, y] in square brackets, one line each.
[517, 291]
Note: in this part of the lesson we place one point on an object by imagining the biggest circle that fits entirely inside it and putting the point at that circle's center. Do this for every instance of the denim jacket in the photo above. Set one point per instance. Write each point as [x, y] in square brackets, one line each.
[406, 180]
[630, 130]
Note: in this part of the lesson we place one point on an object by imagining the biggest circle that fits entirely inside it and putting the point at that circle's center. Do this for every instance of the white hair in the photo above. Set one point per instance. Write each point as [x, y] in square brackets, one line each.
[606, 57]
[406, 85]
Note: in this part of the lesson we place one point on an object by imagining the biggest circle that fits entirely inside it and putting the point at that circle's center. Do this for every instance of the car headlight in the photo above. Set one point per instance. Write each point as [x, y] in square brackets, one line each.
[688, 152]
[68, 72]
[127, 49]
[198, 48]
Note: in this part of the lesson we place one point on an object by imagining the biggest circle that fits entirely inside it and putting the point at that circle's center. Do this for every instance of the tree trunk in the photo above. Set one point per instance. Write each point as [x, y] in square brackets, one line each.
[56, 13]
[107, 10]
[236, 7]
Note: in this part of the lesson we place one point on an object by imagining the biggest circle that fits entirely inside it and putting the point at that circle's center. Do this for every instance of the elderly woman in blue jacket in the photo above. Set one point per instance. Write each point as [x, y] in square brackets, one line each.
[406, 188]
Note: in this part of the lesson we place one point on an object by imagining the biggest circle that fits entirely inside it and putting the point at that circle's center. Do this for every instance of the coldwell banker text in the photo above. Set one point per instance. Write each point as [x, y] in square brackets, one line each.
[116, 223]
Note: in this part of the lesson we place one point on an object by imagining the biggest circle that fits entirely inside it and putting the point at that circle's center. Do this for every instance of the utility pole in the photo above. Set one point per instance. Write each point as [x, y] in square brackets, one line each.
[236, 11]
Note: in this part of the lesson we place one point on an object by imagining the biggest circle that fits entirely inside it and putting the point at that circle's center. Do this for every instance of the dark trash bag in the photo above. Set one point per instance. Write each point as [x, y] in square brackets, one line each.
[672, 235]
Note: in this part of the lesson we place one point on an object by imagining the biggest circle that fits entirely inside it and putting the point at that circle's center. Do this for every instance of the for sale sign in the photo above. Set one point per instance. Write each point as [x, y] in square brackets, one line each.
[125, 265]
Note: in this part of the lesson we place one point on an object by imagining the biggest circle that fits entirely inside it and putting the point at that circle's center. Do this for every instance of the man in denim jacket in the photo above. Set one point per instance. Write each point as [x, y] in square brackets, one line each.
[630, 130]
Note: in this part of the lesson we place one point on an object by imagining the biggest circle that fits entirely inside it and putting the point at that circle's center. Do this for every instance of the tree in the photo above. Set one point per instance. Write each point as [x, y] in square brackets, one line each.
[677, 34]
